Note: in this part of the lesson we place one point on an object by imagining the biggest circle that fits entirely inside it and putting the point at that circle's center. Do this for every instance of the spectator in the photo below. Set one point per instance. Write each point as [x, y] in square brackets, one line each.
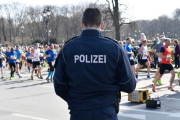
[156, 38]
[155, 56]
[176, 52]
[121, 43]
[143, 37]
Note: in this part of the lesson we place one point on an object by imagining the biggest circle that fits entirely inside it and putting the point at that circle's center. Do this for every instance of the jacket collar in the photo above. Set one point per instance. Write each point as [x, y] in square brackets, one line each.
[91, 32]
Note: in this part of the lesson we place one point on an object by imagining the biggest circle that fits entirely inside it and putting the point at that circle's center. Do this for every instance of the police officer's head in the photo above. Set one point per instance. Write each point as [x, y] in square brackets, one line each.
[92, 19]
[128, 40]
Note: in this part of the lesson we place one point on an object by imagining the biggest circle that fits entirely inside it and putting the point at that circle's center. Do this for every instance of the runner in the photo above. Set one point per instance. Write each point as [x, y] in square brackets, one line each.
[12, 61]
[2, 58]
[7, 50]
[41, 58]
[144, 60]
[165, 54]
[50, 55]
[36, 61]
[156, 49]
[130, 54]
[29, 59]
[19, 53]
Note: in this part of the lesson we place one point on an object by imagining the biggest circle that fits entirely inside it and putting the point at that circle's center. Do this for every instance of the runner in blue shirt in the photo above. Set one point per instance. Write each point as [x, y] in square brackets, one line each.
[19, 53]
[130, 54]
[12, 61]
[29, 59]
[50, 56]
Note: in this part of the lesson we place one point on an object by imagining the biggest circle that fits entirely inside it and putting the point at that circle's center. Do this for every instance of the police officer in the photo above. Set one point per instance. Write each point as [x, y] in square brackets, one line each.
[90, 70]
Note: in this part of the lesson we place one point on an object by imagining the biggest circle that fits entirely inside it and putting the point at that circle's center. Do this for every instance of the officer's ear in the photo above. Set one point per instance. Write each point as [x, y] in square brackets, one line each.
[82, 25]
[102, 24]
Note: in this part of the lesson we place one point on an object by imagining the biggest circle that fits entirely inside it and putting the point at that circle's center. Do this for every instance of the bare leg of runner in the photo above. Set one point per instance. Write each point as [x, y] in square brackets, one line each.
[140, 66]
[172, 77]
[148, 67]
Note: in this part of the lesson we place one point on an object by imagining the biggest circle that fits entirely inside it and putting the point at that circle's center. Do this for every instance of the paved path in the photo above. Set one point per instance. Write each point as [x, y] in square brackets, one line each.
[24, 99]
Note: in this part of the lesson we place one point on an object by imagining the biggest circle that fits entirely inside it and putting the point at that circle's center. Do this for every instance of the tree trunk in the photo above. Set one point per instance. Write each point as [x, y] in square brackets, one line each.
[3, 29]
[10, 34]
[116, 19]
[117, 33]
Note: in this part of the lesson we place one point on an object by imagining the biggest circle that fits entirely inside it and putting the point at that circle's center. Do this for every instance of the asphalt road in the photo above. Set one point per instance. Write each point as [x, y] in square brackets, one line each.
[25, 99]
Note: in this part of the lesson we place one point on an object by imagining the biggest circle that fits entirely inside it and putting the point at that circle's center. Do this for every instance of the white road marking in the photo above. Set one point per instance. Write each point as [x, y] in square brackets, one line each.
[175, 115]
[149, 111]
[170, 98]
[141, 117]
[25, 116]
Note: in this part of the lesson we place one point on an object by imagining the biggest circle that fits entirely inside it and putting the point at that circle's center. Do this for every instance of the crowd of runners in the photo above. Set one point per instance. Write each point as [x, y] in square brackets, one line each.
[161, 49]
[34, 57]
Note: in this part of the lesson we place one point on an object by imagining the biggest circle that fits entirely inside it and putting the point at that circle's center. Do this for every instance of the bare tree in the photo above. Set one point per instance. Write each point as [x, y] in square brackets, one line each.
[115, 13]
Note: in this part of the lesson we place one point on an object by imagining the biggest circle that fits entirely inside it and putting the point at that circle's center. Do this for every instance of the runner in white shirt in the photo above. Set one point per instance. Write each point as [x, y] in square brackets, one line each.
[36, 62]
[144, 59]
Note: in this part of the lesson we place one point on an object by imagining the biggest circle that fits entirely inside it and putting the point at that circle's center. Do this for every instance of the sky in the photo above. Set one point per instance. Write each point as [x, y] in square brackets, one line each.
[137, 9]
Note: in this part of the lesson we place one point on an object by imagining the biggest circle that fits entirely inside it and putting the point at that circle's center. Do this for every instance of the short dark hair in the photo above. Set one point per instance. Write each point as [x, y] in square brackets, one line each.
[92, 17]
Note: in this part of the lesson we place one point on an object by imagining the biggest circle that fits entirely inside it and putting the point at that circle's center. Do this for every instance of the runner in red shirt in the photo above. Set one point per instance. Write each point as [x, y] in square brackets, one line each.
[165, 54]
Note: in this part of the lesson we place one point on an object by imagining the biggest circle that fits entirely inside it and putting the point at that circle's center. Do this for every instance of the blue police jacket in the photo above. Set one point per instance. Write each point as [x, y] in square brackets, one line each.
[90, 70]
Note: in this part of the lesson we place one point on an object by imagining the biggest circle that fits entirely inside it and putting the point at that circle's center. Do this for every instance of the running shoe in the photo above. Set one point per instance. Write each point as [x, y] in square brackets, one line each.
[170, 88]
[47, 80]
[136, 76]
[37, 76]
[2, 77]
[148, 76]
[32, 78]
[159, 81]
[20, 76]
[153, 88]
[10, 78]
[40, 77]
[12, 75]
[154, 82]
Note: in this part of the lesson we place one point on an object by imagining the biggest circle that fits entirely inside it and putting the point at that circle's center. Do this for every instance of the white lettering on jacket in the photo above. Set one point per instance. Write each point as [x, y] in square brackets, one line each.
[90, 58]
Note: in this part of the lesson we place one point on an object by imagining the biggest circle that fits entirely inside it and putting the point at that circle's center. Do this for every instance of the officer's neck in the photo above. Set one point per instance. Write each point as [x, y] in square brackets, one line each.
[92, 28]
